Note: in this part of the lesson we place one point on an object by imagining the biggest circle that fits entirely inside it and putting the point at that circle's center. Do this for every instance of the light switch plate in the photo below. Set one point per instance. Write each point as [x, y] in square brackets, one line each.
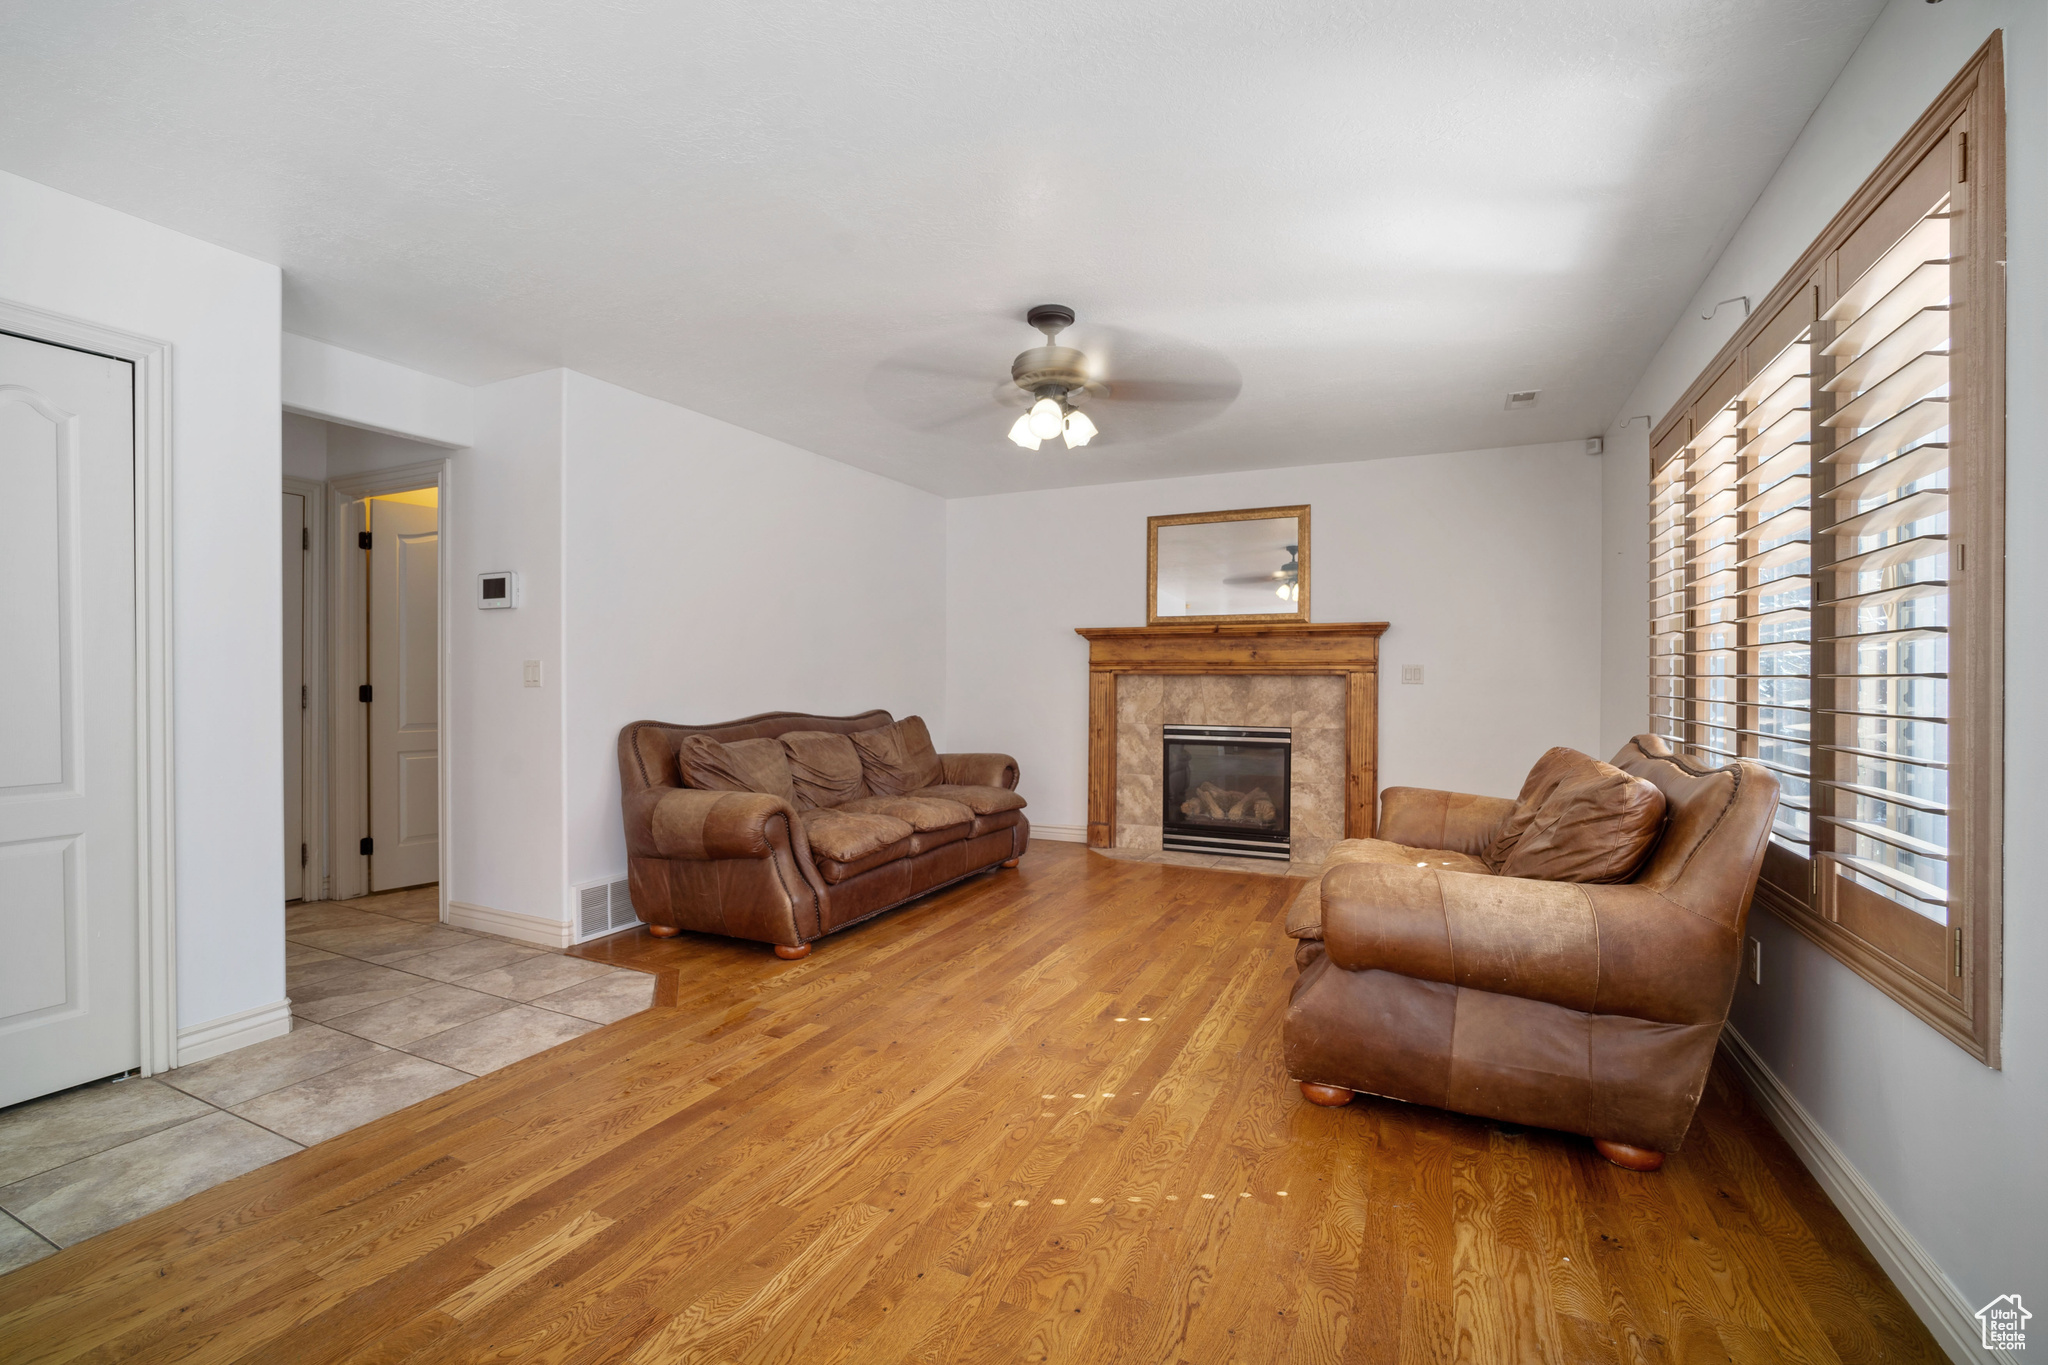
[533, 672]
[1411, 673]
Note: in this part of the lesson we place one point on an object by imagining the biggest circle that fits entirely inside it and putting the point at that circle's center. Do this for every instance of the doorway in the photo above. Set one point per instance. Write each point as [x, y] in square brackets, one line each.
[367, 642]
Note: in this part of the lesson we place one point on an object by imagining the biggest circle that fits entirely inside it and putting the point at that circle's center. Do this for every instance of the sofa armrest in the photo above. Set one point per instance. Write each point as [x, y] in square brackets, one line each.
[681, 822]
[979, 770]
[1618, 950]
[1421, 818]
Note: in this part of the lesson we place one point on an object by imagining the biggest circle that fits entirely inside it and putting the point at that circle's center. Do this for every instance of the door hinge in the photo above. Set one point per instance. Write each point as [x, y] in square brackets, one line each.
[302, 696]
[367, 847]
[363, 692]
[302, 855]
[305, 537]
[1959, 952]
[362, 540]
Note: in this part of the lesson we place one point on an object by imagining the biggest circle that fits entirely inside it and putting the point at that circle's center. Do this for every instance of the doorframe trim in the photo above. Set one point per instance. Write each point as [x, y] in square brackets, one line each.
[156, 881]
[349, 873]
[313, 731]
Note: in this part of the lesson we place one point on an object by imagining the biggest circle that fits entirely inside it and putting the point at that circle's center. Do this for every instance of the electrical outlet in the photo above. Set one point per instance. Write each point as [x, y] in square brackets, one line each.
[1411, 673]
[533, 672]
[1756, 962]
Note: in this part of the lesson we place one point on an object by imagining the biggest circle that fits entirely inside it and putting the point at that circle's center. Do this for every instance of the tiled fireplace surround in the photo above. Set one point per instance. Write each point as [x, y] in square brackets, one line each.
[1311, 705]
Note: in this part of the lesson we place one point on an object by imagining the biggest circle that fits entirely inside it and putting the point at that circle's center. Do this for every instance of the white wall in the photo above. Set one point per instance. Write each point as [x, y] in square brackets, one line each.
[327, 382]
[1487, 564]
[713, 573]
[502, 741]
[305, 447]
[220, 313]
[1951, 1147]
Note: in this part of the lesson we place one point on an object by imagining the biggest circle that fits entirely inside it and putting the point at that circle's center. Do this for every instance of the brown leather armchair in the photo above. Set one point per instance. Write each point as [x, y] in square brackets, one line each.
[1589, 1008]
[743, 864]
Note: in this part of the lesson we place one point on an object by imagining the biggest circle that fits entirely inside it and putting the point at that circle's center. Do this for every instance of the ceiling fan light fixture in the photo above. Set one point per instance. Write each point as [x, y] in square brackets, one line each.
[1047, 419]
[1080, 431]
[1023, 435]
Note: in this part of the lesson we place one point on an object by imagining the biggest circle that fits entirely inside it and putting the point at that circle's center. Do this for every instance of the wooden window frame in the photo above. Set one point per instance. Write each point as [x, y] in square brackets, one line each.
[1969, 1014]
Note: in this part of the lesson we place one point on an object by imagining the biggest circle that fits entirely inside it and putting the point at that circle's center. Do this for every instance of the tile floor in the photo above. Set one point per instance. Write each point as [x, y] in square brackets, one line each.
[389, 1007]
[1271, 867]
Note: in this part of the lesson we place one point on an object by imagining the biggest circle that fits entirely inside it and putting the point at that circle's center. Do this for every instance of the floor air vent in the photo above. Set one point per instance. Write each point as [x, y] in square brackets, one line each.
[603, 908]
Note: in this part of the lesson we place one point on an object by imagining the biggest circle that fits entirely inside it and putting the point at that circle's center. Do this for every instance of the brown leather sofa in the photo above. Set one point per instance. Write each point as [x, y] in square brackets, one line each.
[1589, 1008]
[755, 866]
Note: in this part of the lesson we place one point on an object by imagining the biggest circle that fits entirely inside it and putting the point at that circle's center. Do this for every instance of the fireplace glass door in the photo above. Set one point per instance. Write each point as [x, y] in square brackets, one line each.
[1226, 790]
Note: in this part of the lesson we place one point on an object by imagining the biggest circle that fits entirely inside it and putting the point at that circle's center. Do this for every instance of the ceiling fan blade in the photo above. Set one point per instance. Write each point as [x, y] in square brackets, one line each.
[1275, 577]
[1169, 391]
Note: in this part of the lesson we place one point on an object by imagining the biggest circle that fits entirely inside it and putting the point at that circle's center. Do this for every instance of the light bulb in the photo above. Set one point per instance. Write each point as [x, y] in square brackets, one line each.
[1022, 433]
[1046, 419]
[1288, 592]
[1080, 431]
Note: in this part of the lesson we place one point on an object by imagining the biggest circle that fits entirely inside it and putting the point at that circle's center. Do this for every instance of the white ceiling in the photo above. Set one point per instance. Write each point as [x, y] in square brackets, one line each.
[1379, 216]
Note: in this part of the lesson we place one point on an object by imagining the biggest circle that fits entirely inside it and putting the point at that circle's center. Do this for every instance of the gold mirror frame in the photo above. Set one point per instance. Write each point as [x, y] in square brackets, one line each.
[1152, 525]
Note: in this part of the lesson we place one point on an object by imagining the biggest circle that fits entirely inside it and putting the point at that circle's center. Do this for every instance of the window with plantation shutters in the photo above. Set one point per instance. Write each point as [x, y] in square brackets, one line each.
[1826, 547]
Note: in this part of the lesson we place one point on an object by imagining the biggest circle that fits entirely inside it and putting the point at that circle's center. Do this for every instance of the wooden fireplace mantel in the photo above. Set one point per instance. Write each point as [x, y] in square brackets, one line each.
[1350, 649]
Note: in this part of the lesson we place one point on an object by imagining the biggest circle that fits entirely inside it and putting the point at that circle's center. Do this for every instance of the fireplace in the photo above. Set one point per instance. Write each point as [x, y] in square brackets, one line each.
[1226, 789]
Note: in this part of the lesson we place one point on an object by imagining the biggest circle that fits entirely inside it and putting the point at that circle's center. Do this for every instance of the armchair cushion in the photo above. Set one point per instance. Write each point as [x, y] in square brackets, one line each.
[978, 770]
[1597, 825]
[1305, 915]
[1543, 779]
[746, 765]
[899, 759]
[1421, 818]
[979, 800]
[824, 767]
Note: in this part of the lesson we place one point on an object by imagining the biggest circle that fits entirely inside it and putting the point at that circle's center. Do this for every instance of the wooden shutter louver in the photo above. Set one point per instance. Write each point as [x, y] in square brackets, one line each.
[1826, 560]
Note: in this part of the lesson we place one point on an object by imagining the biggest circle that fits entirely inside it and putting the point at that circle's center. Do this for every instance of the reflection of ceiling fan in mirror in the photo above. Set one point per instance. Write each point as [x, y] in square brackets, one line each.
[1113, 385]
[1286, 579]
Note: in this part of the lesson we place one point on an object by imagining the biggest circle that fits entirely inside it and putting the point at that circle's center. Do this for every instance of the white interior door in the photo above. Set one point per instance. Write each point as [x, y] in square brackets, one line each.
[405, 727]
[297, 547]
[69, 1009]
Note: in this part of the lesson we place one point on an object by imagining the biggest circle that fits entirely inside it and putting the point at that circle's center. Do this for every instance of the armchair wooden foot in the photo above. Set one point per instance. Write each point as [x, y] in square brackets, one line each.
[1627, 1157]
[663, 930]
[789, 954]
[1331, 1095]
[1011, 862]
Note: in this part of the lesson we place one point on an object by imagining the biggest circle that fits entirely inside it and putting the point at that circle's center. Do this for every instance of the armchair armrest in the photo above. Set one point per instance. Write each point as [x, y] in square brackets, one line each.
[1422, 818]
[979, 770]
[1618, 950]
[681, 822]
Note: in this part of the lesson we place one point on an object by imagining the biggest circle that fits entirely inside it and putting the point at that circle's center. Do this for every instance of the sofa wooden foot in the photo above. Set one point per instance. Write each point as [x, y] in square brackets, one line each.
[789, 954]
[1012, 862]
[1331, 1095]
[663, 930]
[1627, 1157]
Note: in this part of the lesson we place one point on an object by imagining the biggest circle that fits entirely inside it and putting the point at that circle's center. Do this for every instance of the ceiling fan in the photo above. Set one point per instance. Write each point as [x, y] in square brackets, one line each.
[1114, 387]
[1286, 579]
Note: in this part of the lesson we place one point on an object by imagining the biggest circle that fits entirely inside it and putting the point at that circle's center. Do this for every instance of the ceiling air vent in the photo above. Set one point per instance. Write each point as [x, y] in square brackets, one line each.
[603, 908]
[1522, 398]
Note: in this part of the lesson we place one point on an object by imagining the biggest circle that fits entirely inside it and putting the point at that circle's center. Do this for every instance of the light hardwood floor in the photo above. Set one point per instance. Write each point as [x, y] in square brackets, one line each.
[1039, 1116]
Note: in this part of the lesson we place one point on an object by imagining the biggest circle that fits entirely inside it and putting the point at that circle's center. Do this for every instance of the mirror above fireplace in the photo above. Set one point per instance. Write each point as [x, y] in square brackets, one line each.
[1250, 564]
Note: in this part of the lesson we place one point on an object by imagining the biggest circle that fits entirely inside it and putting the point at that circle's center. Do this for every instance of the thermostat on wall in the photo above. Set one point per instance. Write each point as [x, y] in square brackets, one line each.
[498, 588]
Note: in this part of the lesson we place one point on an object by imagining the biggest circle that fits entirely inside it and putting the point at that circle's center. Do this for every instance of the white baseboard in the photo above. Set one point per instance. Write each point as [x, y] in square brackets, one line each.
[1060, 834]
[548, 933]
[1926, 1288]
[197, 1042]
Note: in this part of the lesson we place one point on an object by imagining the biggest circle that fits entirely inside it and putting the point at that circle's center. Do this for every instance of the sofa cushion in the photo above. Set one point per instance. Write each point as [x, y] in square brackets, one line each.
[919, 812]
[1305, 914]
[1597, 825]
[747, 765]
[854, 840]
[1551, 769]
[899, 759]
[824, 767]
[980, 800]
